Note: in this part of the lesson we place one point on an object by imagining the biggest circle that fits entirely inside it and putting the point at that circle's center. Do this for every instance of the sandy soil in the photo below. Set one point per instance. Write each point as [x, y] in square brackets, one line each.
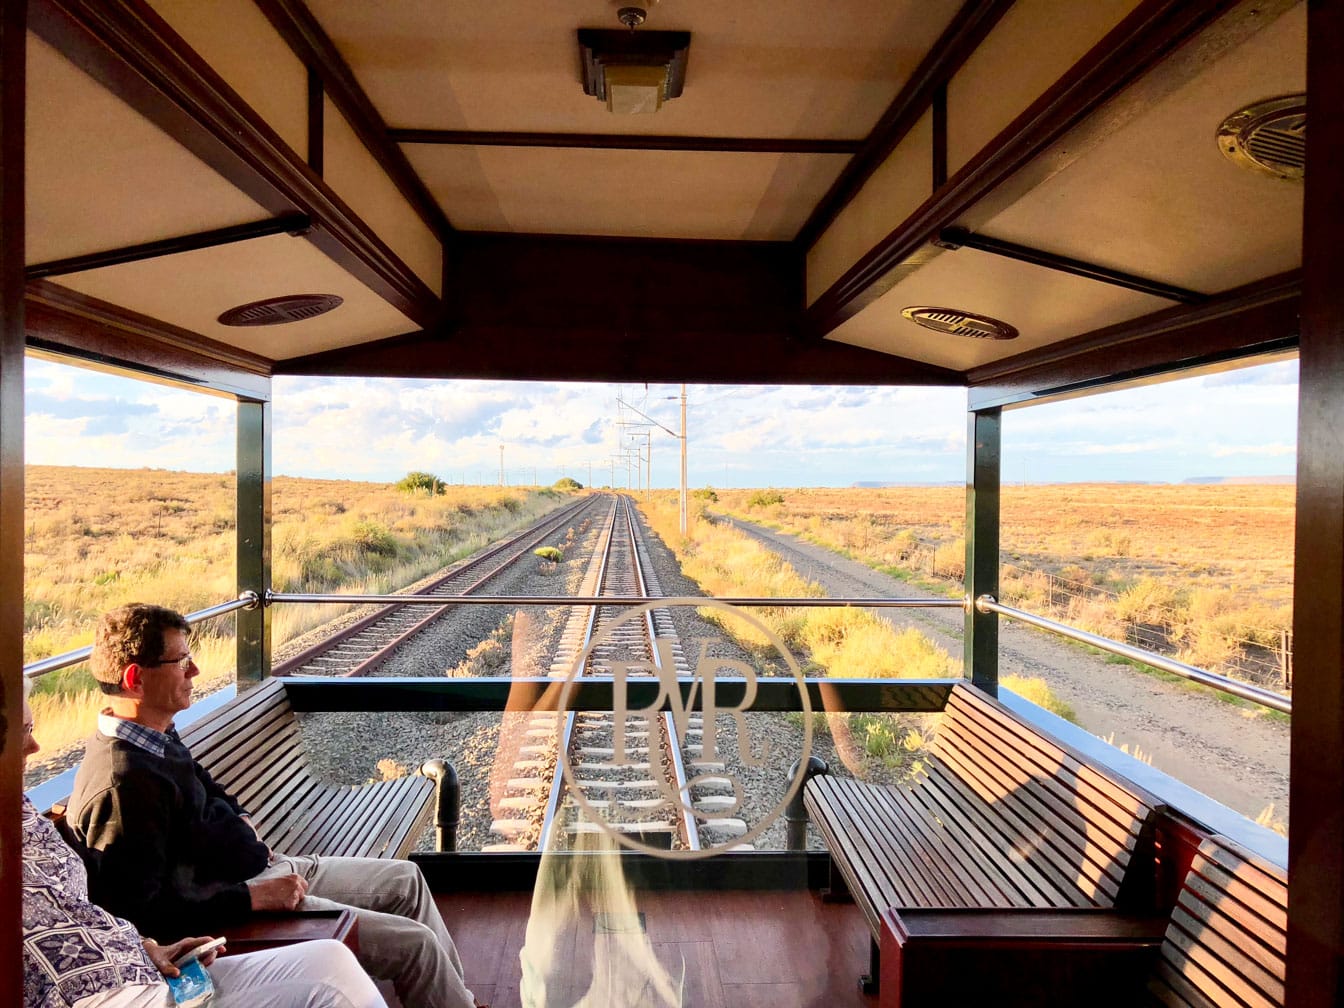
[1232, 754]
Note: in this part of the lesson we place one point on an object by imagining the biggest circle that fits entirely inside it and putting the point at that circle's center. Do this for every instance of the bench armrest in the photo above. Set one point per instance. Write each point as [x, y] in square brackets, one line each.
[1016, 957]
[274, 930]
[447, 800]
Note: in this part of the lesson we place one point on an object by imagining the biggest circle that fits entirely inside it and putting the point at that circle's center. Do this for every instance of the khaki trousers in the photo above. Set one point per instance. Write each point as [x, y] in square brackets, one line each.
[402, 938]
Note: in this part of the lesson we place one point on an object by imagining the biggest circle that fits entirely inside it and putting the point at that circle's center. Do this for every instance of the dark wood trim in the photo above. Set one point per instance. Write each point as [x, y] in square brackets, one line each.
[13, 70]
[1258, 318]
[311, 44]
[622, 141]
[252, 638]
[294, 224]
[1143, 40]
[1315, 962]
[134, 53]
[954, 238]
[967, 30]
[940, 136]
[317, 112]
[67, 323]
[474, 872]
[552, 308]
[390, 693]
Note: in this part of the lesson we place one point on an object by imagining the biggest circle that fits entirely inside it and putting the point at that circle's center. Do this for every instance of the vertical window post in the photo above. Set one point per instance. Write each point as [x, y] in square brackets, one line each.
[254, 538]
[983, 437]
[1315, 966]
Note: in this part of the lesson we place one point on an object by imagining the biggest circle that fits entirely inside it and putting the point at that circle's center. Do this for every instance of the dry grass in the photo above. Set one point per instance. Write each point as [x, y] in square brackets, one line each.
[848, 642]
[1202, 572]
[99, 538]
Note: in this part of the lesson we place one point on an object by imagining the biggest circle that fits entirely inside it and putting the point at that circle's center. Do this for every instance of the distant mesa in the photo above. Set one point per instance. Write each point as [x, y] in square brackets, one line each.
[1241, 480]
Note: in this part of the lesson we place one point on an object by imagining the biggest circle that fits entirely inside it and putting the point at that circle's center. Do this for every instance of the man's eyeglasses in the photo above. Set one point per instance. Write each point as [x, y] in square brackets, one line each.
[183, 663]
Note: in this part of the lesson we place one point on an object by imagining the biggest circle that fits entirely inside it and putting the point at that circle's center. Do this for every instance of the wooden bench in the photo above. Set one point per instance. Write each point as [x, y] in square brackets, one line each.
[1227, 940]
[1222, 944]
[1001, 817]
[253, 749]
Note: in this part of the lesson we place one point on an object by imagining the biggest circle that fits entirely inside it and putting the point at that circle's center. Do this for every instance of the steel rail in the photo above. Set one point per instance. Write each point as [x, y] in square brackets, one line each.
[534, 533]
[1264, 697]
[246, 600]
[274, 598]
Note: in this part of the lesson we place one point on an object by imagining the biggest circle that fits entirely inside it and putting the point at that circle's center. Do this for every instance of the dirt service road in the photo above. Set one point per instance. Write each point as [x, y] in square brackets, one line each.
[1229, 753]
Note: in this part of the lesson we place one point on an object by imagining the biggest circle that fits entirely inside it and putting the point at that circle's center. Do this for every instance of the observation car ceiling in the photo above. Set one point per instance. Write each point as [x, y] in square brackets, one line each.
[101, 176]
[1139, 186]
[191, 290]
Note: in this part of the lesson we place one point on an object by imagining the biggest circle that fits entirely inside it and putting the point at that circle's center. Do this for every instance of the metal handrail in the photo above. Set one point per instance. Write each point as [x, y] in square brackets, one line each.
[247, 600]
[1264, 697]
[610, 600]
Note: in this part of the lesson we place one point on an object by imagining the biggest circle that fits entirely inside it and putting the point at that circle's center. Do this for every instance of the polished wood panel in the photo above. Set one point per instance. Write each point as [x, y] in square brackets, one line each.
[1315, 976]
[12, 74]
[1258, 318]
[729, 948]
[610, 309]
[66, 322]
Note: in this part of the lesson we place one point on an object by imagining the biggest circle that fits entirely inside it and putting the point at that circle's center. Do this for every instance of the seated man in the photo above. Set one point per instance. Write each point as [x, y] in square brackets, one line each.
[179, 856]
[77, 954]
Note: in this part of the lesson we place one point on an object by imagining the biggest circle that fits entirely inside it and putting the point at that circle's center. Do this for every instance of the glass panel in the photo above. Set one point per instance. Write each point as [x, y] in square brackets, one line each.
[1165, 520]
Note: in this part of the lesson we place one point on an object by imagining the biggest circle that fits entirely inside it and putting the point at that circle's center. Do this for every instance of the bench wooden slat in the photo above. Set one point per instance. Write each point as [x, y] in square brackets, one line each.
[992, 837]
[253, 748]
[1002, 818]
[1226, 943]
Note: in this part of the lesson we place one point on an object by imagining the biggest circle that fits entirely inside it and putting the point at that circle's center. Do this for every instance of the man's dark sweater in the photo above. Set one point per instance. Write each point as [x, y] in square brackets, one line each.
[175, 852]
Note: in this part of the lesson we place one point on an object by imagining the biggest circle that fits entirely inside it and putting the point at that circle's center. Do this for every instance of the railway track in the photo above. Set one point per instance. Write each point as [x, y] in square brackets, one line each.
[369, 642]
[627, 775]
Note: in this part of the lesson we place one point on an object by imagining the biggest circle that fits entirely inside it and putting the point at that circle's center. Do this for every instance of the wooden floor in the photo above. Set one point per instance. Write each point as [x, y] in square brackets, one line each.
[735, 949]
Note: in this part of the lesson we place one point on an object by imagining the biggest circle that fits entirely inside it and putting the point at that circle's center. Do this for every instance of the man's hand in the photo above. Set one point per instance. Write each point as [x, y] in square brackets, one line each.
[284, 892]
[162, 956]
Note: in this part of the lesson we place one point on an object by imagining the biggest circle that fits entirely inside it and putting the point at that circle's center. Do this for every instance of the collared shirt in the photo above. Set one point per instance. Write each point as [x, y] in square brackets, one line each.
[138, 735]
[72, 949]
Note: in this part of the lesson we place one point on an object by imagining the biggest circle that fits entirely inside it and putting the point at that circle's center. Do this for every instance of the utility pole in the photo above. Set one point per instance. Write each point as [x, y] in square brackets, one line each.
[683, 458]
[501, 465]
[590, 474]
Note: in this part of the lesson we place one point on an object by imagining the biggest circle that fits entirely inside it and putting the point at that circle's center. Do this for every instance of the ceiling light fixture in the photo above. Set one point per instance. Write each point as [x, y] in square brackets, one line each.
[634, 72]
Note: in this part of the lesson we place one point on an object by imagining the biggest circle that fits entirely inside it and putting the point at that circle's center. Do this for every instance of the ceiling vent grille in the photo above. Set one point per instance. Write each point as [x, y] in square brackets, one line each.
[1269, 137]
[279, 310]
[952, 322]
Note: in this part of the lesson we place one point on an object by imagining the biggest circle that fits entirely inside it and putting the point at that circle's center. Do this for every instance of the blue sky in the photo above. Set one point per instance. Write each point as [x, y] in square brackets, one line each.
[1238, 423]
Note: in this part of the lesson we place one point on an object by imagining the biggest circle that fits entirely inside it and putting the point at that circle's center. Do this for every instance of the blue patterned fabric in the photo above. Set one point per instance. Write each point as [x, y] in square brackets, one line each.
[148, 739]
[72, 949]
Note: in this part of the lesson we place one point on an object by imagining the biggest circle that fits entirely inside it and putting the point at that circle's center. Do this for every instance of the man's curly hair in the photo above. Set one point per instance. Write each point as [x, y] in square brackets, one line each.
[132, 634]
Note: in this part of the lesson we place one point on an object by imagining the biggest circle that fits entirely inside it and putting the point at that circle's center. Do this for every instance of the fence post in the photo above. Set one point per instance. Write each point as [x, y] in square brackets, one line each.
[1286, 658]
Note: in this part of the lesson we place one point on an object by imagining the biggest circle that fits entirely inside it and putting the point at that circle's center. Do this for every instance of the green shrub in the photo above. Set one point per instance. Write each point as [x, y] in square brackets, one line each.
[371, 537]
[549, 553]
[568, 483]
[765, 498]
[414, 482]
[707, 494]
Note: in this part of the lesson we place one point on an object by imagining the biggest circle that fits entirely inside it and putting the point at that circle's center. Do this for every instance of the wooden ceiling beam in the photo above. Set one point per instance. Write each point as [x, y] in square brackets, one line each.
[968, 28]
[623, 141]
[137, 56]
[611, 309]
[1143, 40]
[311, 44]
[1258, 318]
[67, 323]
